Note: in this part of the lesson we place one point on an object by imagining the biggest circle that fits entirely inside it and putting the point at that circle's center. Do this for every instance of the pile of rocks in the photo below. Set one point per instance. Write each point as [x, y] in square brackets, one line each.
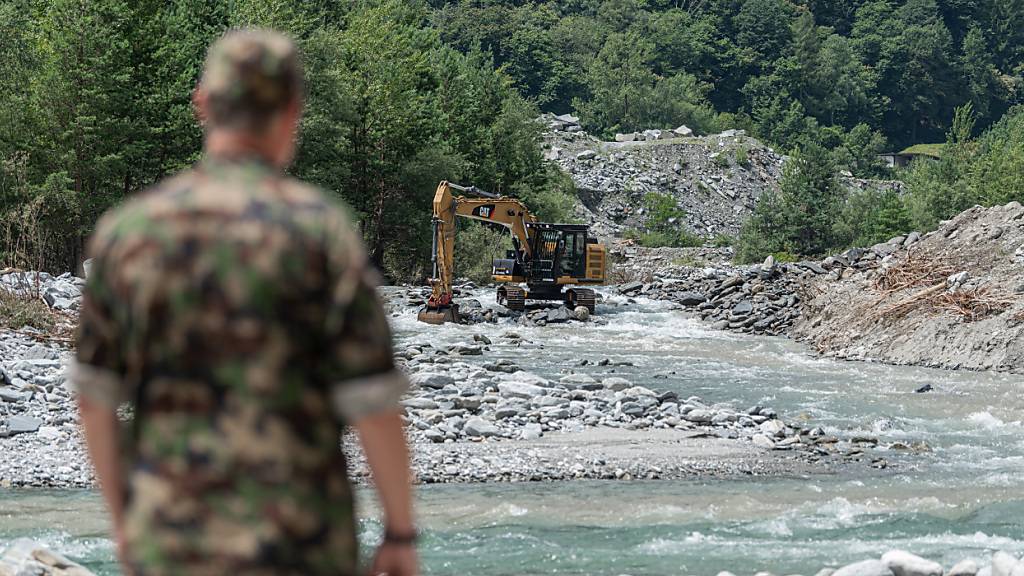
[889, 305]
[454, 398]
[25, 557]
[762, 299]
[62, 292]
[715, 179]
[38, 418]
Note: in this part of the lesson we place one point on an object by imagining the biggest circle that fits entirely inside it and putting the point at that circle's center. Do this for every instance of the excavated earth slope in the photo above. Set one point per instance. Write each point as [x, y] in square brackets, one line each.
[955, 299]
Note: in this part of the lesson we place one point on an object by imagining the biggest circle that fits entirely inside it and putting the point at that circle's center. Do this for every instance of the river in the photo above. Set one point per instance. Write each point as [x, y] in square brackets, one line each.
[961, 499]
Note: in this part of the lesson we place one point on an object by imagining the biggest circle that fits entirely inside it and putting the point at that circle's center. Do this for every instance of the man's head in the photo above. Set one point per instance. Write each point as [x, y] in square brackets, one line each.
[250, 95]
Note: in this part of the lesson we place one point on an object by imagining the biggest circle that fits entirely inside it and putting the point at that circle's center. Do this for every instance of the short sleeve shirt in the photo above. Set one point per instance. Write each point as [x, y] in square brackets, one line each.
[235, 310]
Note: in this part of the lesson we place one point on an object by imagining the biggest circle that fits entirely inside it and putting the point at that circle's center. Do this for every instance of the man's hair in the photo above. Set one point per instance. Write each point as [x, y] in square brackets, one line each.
[250, 75]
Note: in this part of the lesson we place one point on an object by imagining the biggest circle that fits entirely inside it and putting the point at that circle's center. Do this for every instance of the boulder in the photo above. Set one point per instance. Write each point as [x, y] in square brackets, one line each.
[25, 556]
[433, 380]
[616, 384]
[906, 564]
[631, 136]
[480, 428]
[532, 431]
[582, 313]
[519, 390]
[586, 155]
[864, 568]
[690, 298]
[559, 315]
[964, 567]
[1003, 563]
[22, 424]
[683, 130]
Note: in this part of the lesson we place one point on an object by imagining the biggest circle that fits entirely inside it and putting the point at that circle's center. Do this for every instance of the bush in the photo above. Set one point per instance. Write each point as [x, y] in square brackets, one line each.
[723, 241]
[742, 157]
[674, 239]
[801, 217]
[722, 161]
[24, 311]
[872, 216]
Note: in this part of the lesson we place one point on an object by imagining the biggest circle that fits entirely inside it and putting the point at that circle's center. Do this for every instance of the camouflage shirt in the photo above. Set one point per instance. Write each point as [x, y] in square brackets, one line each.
[235, 309]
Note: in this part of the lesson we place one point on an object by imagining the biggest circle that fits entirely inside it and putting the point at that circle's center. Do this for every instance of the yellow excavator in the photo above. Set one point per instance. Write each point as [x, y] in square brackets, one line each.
[554, 261]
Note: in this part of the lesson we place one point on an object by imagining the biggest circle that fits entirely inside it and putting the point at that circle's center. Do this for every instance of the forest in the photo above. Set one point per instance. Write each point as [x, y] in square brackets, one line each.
[94, 104]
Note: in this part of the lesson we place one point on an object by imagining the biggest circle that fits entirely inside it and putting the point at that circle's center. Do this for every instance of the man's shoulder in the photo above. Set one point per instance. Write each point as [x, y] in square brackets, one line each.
[150, 211]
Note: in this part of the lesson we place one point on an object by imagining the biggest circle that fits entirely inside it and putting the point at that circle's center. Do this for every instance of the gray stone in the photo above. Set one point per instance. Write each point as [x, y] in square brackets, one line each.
[906, 564]
[582, 313]
[699, 416]
[10, 395]
[616, 384]
[533, 431]
[772, 428]
[22, 424]
[586, 155]
[762, 441]
[478, 427]
[683, 131]
[743, 308]
[434, 435]
[690, 298]
[966, 567]
[559, 315]
[864, 568]
[519, 390]
[419, 403]
[434, 380]
[628, 137]
[1003, 563]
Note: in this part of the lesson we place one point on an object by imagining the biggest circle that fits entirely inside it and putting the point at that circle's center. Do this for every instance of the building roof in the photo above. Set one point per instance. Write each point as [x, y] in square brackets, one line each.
[931, 150]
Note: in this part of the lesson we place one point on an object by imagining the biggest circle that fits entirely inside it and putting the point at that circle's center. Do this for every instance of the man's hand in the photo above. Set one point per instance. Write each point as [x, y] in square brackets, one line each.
[395, 560]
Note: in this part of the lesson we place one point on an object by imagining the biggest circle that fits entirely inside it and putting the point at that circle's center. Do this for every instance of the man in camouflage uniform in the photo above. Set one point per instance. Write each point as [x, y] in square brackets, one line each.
[234, 308]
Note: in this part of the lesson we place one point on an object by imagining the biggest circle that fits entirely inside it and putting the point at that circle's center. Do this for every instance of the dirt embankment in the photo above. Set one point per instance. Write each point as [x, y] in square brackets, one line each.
[953, 300]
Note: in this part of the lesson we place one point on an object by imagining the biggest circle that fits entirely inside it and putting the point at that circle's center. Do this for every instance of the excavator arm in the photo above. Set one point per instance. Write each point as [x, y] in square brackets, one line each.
[485, 207]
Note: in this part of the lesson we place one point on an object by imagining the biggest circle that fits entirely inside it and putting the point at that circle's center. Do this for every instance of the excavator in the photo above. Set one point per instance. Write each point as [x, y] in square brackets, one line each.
[554, 261]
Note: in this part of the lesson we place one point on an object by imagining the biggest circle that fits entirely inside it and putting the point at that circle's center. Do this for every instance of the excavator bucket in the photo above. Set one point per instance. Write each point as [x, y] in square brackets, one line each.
[439, 315]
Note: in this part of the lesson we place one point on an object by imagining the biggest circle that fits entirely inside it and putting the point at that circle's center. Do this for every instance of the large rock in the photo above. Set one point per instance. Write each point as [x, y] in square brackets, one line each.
[616, 384]
[864, 568]
[683, 130]
[964, 567]
[1003, 564]
[519, 390]
[25, 557]
[690, 298]
[629, 137]
[480, 428]
[433, 380]
[559, 315]
[906, 564]
[22, 425]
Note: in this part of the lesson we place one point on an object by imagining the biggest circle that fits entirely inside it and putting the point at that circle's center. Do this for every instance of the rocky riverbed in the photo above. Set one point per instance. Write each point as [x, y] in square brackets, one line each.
[472, 417]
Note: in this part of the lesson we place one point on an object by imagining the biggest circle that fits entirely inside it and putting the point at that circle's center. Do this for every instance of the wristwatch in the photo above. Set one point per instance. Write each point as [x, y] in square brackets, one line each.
[400, 538]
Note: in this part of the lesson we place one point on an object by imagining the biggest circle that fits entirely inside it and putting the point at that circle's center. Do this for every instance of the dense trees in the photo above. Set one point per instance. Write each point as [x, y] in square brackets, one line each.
[94, 106]
[94, 101]
[793, 67]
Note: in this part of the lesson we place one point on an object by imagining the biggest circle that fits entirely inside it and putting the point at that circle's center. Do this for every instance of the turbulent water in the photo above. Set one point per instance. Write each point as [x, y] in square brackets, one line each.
[962, 499]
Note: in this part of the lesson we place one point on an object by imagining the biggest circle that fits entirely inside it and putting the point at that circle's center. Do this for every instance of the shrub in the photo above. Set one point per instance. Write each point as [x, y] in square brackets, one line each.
[19, 311]
[722, 161]
[723, 241]
[742, 157]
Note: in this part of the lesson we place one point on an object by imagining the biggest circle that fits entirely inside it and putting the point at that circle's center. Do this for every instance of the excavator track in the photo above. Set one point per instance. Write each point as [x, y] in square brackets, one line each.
[581, 297]
[512, 297]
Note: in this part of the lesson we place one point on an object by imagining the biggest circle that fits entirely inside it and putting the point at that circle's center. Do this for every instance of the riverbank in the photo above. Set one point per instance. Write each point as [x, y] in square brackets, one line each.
[949, 299]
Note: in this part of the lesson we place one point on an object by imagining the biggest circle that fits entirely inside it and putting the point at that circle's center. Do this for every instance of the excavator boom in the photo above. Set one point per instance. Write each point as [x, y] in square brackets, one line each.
[507, 212]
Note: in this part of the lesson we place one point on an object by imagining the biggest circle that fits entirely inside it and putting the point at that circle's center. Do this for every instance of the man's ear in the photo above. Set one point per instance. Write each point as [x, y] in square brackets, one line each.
[200, 104]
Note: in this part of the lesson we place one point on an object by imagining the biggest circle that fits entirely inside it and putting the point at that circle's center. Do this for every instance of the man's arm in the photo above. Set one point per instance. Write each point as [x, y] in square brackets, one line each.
[101, 436]
[383, 440]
